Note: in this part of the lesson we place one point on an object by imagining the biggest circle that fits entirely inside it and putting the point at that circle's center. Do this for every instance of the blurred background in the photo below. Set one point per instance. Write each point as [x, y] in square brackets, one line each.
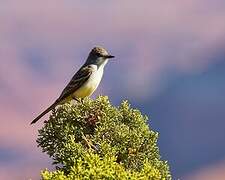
[170, 63]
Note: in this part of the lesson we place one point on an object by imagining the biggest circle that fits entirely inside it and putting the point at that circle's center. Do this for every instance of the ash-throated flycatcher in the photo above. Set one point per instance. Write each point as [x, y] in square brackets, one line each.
[85, 81]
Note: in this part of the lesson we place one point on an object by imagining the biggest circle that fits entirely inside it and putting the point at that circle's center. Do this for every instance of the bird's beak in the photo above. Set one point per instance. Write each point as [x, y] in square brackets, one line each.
[109, 56]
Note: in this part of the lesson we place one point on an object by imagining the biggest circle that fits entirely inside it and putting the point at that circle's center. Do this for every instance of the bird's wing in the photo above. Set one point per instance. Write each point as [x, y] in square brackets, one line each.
[76, 82]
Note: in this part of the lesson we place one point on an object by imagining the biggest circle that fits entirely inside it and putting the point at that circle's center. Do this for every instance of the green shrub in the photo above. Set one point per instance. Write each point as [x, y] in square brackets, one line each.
[95, 140]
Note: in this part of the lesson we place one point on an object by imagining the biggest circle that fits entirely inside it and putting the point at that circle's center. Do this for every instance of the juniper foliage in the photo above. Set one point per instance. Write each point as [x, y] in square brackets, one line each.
[95, 140]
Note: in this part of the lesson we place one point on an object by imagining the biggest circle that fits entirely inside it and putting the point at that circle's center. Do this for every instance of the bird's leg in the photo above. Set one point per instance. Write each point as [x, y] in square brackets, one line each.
[74, 98]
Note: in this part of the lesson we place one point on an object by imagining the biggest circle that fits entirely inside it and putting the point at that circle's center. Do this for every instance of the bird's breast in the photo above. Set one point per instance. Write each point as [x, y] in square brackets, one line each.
[90, 85]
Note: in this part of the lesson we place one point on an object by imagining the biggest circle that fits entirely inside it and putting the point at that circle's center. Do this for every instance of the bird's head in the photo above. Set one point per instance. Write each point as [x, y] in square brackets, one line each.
[98, 56]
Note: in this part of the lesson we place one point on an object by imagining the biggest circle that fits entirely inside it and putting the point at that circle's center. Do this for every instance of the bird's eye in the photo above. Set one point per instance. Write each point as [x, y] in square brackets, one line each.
[98, 54]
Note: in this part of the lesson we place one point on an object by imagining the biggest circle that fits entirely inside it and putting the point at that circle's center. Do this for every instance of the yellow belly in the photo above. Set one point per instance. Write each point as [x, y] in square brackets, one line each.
[90, 86]
[84, 91]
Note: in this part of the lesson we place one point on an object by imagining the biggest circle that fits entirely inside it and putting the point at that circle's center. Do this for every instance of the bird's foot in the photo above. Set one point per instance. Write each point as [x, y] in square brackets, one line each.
[76, 99]
[80, 100]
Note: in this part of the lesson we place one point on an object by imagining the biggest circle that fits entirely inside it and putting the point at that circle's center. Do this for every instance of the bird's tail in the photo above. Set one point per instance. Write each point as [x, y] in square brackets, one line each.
[45, 112]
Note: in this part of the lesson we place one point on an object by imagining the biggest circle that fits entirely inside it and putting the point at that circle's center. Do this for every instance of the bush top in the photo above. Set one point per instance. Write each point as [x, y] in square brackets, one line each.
[79, 136]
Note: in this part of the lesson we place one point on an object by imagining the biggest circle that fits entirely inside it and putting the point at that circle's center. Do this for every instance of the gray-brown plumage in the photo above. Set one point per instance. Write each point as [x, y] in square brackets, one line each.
[85, 81]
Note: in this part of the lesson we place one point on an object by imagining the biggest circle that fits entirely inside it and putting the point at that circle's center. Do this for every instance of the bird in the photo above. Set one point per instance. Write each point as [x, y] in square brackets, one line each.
[85, 81]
